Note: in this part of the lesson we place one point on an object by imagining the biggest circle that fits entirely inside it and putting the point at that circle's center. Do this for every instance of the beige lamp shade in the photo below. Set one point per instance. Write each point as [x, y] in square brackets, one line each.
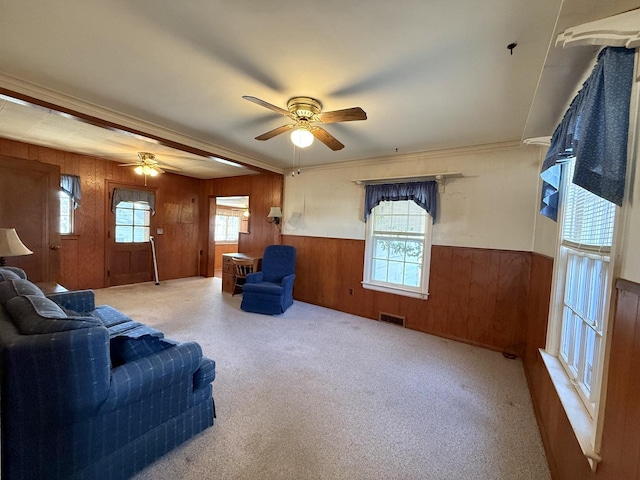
[275, 212]
[10, 244]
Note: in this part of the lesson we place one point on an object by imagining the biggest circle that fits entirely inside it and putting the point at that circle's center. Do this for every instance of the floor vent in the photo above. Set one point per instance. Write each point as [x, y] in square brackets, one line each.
[390, 318]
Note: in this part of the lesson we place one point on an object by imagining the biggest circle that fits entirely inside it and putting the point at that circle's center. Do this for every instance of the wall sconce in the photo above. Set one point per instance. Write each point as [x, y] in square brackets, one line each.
[11, 245]
[275, 214]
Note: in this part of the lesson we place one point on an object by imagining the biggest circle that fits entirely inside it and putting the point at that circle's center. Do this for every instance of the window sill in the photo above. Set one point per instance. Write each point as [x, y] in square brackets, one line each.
[580, 420]
[394, 290]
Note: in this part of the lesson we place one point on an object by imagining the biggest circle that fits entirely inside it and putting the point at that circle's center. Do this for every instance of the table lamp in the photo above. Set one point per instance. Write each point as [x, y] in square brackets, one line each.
[10, 245]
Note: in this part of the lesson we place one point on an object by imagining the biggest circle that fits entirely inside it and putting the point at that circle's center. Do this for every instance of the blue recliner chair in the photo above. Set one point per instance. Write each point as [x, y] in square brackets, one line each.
[270, 291]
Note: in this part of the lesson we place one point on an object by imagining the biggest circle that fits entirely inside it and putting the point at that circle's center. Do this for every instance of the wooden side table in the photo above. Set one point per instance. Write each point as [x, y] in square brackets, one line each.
[51, 287]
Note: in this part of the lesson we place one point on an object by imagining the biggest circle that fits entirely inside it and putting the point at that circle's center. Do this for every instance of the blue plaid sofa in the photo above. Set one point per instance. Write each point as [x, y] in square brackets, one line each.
[86, 392]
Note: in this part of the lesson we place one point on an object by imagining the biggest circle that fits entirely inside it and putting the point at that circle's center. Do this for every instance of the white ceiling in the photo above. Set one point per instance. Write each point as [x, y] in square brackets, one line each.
[429, 74]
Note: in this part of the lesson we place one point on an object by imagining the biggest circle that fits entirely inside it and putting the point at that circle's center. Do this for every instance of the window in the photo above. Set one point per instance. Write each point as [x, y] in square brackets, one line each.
[228, 224]
[132, 222]
[66, 218]
[397, 249]
[584, 279]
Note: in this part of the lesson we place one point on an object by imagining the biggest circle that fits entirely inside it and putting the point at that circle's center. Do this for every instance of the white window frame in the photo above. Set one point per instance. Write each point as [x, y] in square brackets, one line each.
[584, 412]
[65, 202]
[137, 206]
[422, 291]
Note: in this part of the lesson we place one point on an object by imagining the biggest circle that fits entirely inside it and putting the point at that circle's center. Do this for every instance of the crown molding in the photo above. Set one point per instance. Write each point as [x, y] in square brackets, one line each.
[422, 155]
[129, 124]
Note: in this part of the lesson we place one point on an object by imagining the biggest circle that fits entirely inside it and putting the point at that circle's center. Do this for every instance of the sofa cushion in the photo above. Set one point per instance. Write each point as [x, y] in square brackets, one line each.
[128, 349]
[6, 274]
[109, 316]
[14, 287]
[33, 314]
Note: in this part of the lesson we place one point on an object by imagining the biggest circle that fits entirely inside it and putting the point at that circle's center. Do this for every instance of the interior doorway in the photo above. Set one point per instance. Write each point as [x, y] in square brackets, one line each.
[230, 220]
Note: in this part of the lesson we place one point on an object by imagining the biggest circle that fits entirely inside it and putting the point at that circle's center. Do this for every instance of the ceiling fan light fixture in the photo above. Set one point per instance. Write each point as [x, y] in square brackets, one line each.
[138, 169]
[302, 137]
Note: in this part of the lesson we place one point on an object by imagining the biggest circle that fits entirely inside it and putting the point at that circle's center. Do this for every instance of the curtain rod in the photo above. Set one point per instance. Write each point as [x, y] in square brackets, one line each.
[438, 177]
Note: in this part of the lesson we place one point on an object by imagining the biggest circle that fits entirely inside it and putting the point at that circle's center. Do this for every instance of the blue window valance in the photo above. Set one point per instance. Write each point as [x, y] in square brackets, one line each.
[70, 184]
[594, 130]
[128, 195]
[425, 194]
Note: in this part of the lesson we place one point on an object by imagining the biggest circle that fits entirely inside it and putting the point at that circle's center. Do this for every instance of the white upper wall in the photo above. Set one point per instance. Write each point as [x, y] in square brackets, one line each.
[492, 205]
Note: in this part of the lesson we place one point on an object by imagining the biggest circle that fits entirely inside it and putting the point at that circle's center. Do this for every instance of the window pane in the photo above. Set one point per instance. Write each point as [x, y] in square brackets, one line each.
[414, 252]
[380, 270]
[396, 250]
[381, 248]
[65, 225]
[124, 234]
[124, 216]
[140, 234]
[590, 344]
[576, 342]
[396, 272]
[141, 217]
[412, 274]
[565, 344]
[399, 223]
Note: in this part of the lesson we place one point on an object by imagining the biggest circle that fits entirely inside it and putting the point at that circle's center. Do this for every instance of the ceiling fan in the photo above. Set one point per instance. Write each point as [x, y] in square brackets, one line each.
[305, 112]
[148, 165]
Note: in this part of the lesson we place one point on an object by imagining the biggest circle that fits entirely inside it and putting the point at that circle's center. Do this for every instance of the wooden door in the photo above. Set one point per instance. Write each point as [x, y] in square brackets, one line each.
[29, 203]
[126, 262]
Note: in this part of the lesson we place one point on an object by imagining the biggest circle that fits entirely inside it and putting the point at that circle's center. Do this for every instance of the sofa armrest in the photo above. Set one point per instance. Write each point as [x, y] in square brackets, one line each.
[18, 271]
[205, 374]
[255, 277]
[139, 378]
[81, 301]
[65, 374]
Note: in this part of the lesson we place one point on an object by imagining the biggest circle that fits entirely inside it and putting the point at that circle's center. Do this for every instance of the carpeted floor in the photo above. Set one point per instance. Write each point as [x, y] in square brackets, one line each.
[319, 394]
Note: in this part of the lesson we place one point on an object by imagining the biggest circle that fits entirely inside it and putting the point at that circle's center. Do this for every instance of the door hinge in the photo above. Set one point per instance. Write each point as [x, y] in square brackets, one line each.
[109, 234]
[108, 273]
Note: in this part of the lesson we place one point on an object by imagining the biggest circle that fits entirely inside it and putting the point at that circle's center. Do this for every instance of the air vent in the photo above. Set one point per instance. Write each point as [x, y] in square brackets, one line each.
[390, 318]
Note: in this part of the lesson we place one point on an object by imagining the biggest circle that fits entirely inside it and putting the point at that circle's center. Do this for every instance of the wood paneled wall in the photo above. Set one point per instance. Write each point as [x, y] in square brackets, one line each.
[83, 254]
[478, 296]
[264, 191]
[621, 428]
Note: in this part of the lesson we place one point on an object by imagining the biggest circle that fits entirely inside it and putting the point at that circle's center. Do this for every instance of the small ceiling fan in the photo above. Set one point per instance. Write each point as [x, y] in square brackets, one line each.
[148, 165]
[305, 112]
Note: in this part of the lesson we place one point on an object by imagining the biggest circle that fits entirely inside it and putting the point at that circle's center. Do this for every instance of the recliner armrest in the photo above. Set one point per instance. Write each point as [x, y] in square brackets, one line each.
[287, 282]
[81, 301]
[135, 380]
[255, 277]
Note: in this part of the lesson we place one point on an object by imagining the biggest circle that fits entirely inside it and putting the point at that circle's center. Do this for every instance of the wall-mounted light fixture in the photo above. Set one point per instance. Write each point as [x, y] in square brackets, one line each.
[11, 245]
[275, 214]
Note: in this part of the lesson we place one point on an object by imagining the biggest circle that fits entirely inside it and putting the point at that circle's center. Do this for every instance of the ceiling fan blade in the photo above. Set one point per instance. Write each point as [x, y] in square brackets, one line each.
[262, 103]
[346, 115]
[129, 164]
[274, 132]
[326, 138]
[168, 167]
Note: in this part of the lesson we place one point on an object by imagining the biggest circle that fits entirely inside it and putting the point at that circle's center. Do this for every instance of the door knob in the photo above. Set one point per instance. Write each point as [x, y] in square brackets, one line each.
[55, 247]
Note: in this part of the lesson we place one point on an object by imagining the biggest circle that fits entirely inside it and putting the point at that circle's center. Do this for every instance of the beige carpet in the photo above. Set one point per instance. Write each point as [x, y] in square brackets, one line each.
[319, 394]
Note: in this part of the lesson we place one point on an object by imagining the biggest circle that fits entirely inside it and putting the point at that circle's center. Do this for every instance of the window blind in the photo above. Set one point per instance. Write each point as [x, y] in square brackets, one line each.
[588, 219]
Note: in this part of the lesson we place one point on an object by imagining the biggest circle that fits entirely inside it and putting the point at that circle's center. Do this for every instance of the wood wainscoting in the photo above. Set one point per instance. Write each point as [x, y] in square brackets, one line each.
[620, 449]
[478, 296]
